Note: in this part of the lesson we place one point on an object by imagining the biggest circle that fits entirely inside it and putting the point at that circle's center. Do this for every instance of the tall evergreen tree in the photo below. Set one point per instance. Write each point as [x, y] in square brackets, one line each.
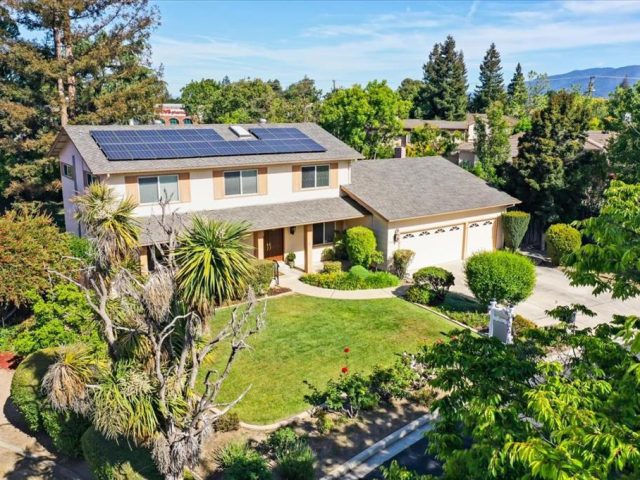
[409, 90]
[591, 87]
[444, 94]
[517, 93]
[492, 144]
[491, 86]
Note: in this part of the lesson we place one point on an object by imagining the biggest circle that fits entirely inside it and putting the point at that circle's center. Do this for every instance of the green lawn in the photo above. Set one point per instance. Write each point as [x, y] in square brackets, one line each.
[304, 339]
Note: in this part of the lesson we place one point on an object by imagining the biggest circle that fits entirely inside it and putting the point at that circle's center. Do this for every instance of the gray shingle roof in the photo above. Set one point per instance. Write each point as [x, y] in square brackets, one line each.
[98, 163]
[264, 217]
[406, 188]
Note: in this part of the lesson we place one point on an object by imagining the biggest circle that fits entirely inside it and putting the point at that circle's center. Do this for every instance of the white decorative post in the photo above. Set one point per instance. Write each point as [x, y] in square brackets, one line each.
[501, 322]
[492, 307]
[510, 315]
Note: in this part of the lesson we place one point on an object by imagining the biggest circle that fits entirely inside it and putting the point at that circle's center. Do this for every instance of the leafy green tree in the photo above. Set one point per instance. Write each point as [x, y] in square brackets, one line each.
[490, 89]
[539, 172]
[302, 101]
[517, 94]
[537, 89]
[409, 90]
[492, 144]
[624, 118]
[146, 392]
[197, 95]
[367, 119]
[429, 140]
[444, 94]
[518, 414]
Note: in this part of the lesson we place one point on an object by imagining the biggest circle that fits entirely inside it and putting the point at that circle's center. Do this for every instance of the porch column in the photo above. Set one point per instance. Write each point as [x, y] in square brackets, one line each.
[465, 239]
[258, 243]
[144, 260]
[308, 248]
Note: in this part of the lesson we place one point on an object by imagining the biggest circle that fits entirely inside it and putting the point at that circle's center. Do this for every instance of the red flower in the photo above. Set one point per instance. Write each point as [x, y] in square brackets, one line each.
[345, 370]
[347, 349]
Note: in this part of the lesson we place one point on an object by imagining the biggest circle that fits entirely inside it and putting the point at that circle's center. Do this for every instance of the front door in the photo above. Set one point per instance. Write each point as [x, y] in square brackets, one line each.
[274, 244]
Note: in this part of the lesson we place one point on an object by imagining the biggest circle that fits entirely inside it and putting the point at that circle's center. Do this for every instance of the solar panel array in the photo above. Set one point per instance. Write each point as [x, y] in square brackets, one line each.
[199, 142]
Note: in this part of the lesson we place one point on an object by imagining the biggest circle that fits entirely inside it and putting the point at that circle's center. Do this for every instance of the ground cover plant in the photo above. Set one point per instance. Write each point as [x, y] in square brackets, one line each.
[357, 278]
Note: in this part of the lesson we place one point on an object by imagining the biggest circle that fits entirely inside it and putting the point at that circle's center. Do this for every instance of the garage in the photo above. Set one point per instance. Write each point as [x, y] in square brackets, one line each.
[434, 246]
[480, 237]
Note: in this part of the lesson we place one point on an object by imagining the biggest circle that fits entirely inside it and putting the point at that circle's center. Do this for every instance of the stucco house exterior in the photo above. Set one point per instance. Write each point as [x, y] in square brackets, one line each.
[295, 201]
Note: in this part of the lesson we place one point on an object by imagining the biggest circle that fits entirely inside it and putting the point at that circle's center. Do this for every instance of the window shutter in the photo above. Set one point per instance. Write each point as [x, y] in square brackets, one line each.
[218, 184]
[184, 185]
[262, 181]
[131, 185]
[333, 175]
[297, 178]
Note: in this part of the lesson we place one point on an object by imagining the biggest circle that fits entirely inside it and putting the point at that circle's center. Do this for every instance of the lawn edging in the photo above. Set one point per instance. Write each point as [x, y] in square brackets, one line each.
[280, 423]
[386, 442]
[446, 317]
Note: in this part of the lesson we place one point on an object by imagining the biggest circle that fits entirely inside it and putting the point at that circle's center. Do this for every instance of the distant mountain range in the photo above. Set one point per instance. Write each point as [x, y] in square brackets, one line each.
[606, 79]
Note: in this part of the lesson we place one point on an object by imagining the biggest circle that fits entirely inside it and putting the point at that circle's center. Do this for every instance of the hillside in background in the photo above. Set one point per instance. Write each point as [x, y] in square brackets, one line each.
[606, 79]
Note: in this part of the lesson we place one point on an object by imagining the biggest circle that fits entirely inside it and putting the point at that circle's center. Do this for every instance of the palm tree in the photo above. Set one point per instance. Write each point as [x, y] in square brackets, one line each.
[109, 222]
[214, 261]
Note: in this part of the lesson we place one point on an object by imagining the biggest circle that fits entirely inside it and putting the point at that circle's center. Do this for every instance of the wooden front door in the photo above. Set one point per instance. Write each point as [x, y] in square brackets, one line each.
[274, 244]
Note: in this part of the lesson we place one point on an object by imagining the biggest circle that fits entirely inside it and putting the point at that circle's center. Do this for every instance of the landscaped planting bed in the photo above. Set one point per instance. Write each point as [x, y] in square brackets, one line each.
[304, 340]
[358, 278]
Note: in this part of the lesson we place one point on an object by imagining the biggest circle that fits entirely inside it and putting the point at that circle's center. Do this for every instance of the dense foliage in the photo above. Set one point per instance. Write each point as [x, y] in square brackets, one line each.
[624, 118]
[429, 140]
[492, 144]
[514, 227]
[490, 87]
[402, 259]
[262, 276]
[368, 119]
[241, 462]
[436, 280]
[501, 276]
[357, 278]
[517, 94]
[361, 245]
[561, 240]
[444, 94]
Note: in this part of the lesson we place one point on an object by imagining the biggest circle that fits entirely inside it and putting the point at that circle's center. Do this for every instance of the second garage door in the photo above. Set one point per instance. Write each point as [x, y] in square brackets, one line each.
[434, 246]
[480, 237]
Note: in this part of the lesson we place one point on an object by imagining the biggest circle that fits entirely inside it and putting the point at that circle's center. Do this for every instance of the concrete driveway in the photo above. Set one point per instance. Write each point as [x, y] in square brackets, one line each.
[553, 289]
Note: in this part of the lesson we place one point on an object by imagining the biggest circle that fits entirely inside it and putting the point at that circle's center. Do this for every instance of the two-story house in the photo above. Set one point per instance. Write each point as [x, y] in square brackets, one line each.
[295, 184]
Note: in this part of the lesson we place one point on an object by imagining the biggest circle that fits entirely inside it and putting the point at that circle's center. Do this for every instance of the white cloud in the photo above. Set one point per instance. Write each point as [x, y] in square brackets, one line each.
[602, 6]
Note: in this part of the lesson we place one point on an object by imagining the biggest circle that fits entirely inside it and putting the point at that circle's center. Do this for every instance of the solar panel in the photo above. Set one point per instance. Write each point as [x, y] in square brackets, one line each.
[200, 142]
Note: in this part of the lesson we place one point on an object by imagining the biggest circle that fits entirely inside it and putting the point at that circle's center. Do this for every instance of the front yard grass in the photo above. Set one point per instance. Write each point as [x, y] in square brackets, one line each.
[304, 339]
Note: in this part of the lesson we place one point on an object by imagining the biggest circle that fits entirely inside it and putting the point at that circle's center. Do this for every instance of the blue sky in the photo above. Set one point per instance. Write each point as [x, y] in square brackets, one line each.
[357, 41]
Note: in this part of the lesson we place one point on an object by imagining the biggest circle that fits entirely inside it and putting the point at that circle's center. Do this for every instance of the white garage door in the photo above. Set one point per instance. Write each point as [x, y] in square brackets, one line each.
[434, 246]
[480, 236]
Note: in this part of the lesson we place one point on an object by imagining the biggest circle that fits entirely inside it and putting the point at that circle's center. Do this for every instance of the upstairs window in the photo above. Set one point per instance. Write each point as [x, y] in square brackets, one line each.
[315, 176]
[89, 179]
[67, 170]
[157, 188]
[241, 182]
[323, 233]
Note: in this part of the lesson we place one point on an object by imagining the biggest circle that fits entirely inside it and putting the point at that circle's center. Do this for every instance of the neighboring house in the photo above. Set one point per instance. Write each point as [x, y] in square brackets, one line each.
[173, 114]
[295, 184]
[465, 129]
[465, 154]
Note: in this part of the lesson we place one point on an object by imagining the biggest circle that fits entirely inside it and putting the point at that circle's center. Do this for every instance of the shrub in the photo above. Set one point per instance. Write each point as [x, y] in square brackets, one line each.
[332, 266]
[348, 395]
[402, 258]
[435, 279]
[360, 244]
[396, 381]
[327, 254]
[65, 429]
[376, 259]
[282, 440]
[396, 472]
[360, 272]
[241, 462]
[381, 280]
[79, 247]
[291, 259]
[504, 276]
[520, 324]
[227, 423]
[117, 460]
[561, 240]
[358, 278]
[514, 227]
[262, 277]
[421, 295]
[297, 462]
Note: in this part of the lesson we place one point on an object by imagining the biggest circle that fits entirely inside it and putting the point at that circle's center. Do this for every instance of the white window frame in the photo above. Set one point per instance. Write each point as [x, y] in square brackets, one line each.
[241, 172]
[315, 176]
[67, 170]
[324, 234]
[157, 177]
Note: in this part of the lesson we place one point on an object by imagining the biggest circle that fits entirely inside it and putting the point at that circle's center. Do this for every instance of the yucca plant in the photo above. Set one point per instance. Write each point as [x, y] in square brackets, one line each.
[214, 263]
[109, 223]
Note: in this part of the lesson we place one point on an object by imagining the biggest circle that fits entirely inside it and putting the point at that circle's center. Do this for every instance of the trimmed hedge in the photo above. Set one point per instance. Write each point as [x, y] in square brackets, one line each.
[331, 266]
[502, 276]
[358, 278]
[262, 277]
[117, 460]
[64, 428]
[361, 245]
[561, 240]
[417, 294]
[435, 279]
[514, 227]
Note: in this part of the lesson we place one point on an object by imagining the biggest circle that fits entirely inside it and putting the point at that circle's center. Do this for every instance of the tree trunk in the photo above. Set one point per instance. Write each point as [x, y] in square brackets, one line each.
[62, 100]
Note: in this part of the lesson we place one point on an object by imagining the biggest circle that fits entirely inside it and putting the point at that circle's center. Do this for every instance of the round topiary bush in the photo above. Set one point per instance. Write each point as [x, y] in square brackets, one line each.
[514, 227]
[117, 460]
[435, 279]
[421, 295]
[561, 240]
[361, 245]
[502, 276]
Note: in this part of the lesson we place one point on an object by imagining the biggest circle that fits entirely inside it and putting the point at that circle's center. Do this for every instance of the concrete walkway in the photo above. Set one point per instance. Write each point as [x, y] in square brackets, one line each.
[290, 278]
